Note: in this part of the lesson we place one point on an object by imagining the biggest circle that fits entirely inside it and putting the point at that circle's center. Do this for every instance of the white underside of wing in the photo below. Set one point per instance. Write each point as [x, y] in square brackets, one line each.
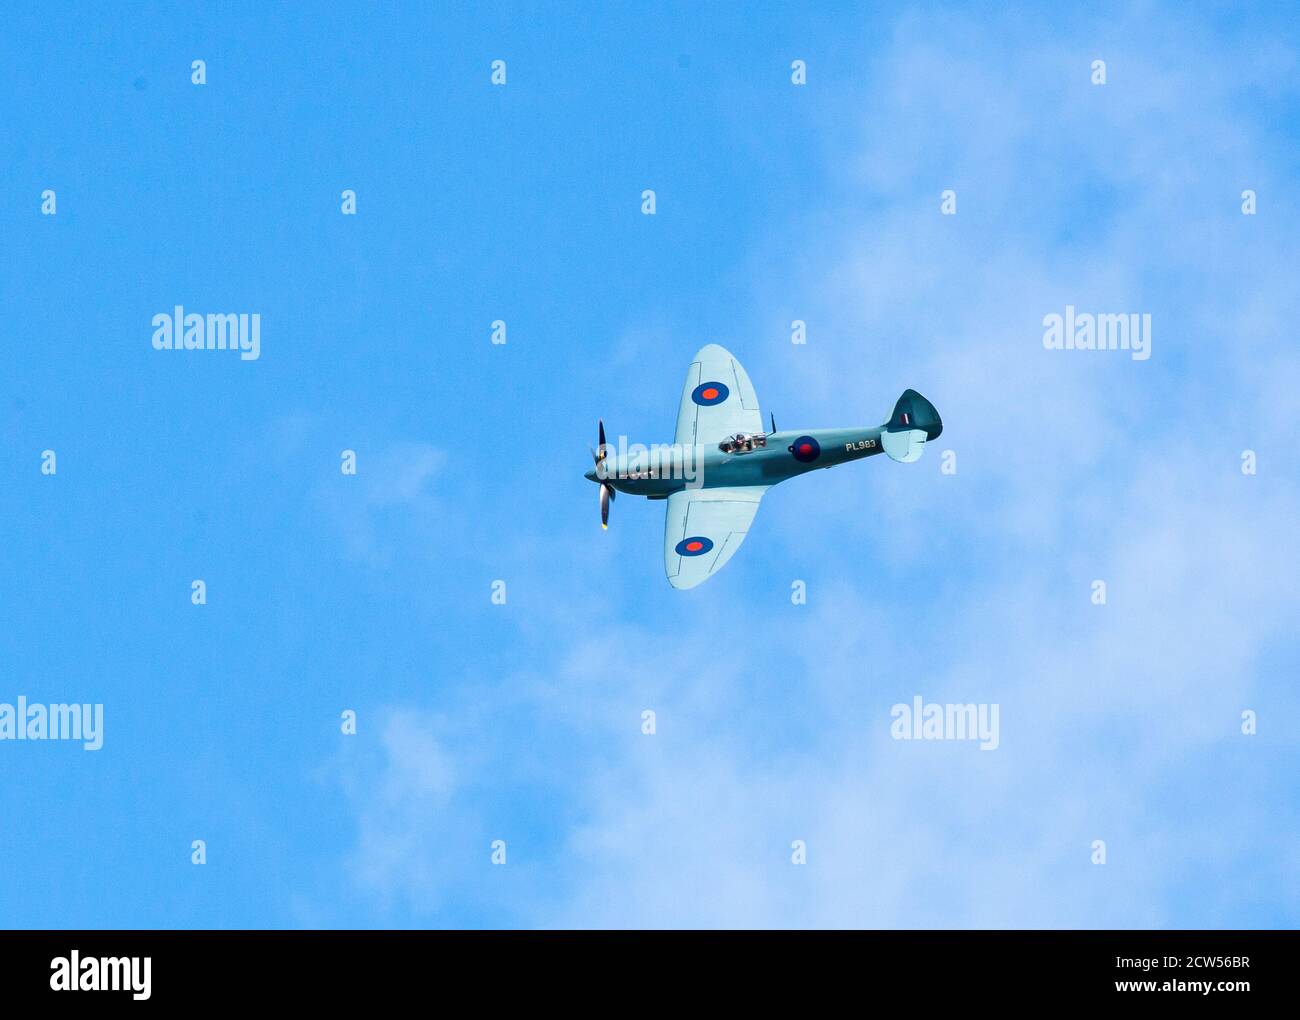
[717, 519]
[707, 424]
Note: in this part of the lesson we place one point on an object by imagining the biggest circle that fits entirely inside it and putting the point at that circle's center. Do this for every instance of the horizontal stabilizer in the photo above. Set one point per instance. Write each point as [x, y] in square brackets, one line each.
[904, 446]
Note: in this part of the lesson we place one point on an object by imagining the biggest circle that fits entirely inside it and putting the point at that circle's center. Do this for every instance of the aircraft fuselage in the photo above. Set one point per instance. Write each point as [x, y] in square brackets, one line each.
[657, 471]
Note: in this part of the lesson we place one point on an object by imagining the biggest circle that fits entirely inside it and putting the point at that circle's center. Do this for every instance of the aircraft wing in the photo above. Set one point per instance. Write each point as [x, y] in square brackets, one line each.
[704, 528]
[718, 399]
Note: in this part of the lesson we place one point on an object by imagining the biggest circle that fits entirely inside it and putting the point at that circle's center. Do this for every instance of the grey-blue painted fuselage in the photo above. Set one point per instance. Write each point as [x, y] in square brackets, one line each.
[656, 473]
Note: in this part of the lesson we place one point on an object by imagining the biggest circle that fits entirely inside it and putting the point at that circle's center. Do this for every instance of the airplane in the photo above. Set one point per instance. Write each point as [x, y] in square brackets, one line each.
[721, 462]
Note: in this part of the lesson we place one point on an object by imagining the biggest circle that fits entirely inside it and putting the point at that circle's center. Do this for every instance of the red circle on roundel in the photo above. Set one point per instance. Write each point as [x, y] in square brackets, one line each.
[805, 449]
[710, 394]
[694, 546]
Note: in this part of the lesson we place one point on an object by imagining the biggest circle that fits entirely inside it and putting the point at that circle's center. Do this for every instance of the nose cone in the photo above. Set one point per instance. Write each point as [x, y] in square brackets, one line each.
[590, 475]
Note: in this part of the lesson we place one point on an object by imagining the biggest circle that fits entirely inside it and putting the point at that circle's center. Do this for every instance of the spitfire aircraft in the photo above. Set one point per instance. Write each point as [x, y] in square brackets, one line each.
[721, 462]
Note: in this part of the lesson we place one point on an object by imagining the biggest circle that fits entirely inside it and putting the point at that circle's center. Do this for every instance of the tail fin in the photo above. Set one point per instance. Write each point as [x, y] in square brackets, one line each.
[913, 423]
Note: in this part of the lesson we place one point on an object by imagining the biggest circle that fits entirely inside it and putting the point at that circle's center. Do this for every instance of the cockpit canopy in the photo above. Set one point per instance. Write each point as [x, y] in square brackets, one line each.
[743, 442]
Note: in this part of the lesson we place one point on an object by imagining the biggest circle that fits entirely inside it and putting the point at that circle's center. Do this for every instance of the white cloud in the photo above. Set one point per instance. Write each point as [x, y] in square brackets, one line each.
[404, 803]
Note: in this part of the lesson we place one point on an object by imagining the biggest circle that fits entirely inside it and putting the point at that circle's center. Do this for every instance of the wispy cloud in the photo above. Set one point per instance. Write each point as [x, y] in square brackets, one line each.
[389, 508]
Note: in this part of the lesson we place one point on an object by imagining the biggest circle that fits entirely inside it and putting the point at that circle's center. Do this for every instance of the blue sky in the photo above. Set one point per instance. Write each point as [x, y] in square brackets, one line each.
[522, 722]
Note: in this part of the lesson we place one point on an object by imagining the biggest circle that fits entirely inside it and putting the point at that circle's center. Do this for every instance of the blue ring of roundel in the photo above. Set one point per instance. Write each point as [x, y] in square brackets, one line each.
[705, 545]
[797, 449]
[721, 394]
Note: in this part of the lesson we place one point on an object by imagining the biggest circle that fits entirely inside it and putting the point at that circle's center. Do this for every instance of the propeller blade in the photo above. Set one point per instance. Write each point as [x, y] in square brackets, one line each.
[600, 423]
[605, 493]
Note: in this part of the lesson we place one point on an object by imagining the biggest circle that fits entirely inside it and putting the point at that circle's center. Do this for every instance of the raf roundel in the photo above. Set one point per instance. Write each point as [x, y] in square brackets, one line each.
[709, 393]
[806, 449]
[696, 545]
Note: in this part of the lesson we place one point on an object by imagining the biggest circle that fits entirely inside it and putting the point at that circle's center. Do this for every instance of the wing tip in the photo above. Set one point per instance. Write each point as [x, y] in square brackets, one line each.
[712, 348]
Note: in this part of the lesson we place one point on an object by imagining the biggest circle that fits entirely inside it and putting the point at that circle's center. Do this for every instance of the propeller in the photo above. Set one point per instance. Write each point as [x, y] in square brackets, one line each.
[607, 492]
[607, 495]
